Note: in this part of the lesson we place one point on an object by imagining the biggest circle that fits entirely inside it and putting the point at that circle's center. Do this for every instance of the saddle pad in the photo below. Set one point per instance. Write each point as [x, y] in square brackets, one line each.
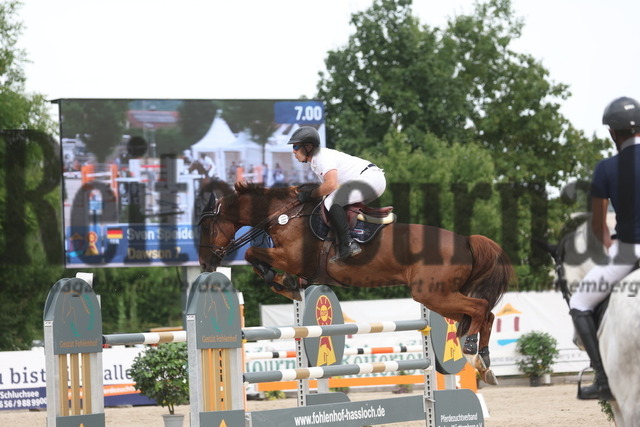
[362, 231]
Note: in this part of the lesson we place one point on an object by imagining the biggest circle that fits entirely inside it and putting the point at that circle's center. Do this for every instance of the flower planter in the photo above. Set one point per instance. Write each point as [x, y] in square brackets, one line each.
[175, 420]
[535, 380]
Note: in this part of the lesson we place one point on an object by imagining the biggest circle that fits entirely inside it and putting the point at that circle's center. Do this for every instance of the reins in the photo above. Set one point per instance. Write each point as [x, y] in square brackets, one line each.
[234, 244]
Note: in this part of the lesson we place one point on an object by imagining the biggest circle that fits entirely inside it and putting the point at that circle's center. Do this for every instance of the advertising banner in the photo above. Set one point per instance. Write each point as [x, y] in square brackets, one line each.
[516, 314]
[23, 379]
[137, 173]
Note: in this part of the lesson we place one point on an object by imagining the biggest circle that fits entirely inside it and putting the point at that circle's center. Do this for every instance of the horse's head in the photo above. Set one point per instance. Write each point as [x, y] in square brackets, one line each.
[216, 232]
[196, 166]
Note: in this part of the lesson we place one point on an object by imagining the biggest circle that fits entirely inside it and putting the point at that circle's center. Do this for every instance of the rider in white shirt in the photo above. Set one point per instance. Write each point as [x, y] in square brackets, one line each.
[345, 180]
[208, 165]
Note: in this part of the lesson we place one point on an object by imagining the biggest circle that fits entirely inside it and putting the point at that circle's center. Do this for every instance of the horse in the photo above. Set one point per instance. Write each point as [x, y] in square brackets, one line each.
[461, 278]
[618, 331]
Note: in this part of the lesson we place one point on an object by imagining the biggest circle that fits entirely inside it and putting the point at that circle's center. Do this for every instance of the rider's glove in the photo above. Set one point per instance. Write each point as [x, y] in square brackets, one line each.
[304, 196]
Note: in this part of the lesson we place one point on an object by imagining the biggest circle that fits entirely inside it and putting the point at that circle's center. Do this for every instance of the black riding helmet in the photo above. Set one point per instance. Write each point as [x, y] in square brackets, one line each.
[622, 113]
[306, 135]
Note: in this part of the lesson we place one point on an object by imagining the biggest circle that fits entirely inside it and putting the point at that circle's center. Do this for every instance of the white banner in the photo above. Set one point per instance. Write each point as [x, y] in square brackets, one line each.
[516, 314]
[23, 378]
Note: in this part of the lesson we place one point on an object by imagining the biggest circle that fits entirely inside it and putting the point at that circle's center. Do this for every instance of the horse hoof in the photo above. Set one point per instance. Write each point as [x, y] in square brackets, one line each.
[490, 378]
[292, 294]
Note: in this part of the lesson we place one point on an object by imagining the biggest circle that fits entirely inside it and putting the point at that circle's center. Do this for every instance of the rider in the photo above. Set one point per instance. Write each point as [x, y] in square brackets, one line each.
[615, 179]
[208, 165]
[345, 180]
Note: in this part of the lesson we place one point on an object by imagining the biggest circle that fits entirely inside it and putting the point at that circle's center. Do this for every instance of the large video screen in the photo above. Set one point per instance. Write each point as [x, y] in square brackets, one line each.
[137, 173]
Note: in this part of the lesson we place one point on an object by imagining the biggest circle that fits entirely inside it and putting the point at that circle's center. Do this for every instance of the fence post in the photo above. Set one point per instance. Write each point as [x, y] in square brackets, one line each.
[214, 339]
[73, 352]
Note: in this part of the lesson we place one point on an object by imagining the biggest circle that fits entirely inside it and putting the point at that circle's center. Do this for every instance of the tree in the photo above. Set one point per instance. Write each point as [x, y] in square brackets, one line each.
[464, 85]
[195, 119]
[99, 123]
[29, 189]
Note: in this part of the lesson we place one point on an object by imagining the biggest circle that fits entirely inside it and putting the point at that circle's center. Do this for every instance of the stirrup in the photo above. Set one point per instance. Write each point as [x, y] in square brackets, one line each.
[594, 391]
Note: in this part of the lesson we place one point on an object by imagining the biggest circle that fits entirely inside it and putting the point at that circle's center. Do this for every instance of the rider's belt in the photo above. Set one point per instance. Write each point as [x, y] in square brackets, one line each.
[370, 165]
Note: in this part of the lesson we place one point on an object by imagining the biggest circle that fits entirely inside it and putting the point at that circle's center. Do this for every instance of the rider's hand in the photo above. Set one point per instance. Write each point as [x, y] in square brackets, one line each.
[304, 196]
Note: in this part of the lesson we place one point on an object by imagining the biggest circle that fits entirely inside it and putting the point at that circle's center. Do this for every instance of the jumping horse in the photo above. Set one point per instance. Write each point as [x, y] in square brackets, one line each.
[459, 277]
[619, 317]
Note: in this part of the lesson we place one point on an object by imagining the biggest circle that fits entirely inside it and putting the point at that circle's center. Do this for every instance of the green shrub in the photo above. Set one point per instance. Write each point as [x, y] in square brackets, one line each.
[538, 349]
[161, 374]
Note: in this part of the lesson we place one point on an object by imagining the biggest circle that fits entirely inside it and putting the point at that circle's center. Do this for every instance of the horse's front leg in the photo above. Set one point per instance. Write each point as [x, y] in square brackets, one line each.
[263, 261]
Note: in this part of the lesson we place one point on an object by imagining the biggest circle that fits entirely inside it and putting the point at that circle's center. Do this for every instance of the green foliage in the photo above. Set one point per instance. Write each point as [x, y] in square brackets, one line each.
[136, 299]
[605, 407]
[195, 119]
[161, 374]
[274, 395]
[451, 173]
[255, 292]
[26, 272]
[538, 350]
[99, 123]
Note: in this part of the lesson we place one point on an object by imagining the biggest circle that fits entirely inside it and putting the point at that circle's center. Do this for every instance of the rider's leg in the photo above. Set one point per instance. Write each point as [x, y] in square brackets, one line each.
[593, 289]
[347, 247]
[365, 189]
[586, 328]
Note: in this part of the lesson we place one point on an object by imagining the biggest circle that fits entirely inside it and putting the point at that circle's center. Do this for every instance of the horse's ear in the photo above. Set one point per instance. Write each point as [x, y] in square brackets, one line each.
[211, 203]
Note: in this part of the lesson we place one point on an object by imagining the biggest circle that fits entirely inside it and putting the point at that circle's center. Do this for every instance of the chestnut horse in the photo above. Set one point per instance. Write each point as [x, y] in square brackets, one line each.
[459, 277]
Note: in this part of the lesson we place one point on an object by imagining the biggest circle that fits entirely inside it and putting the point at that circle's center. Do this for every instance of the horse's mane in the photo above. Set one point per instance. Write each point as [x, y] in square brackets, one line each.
[244, 187]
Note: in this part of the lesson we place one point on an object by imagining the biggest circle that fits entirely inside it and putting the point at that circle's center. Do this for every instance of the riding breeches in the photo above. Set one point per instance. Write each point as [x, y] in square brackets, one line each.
[369, 185]
[601, 280]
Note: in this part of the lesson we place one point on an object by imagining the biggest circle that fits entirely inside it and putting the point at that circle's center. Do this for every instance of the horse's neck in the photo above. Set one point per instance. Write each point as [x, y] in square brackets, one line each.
[255, 210]
[197, 166]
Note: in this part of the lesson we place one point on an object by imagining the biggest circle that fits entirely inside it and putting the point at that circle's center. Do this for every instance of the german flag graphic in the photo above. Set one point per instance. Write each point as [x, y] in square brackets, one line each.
[114, 233]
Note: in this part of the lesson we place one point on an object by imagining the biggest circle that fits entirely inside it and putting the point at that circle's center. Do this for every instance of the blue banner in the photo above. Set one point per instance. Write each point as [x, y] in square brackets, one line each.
[142, 245]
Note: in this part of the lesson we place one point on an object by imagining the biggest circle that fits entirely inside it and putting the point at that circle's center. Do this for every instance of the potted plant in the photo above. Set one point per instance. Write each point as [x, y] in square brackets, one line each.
[538, 349]
[161, 374]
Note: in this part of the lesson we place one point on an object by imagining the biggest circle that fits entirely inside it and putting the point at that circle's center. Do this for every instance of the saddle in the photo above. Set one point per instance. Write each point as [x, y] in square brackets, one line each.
[364, 221]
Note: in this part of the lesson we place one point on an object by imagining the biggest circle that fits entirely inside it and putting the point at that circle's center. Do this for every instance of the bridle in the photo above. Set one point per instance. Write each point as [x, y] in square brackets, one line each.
[219, 251]
[234, 244]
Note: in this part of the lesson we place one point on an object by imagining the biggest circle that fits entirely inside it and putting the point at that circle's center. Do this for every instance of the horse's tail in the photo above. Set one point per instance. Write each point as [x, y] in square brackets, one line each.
[490, 276]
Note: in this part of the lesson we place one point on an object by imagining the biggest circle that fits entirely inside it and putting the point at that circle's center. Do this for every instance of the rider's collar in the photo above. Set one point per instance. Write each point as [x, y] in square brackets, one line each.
[629, 142]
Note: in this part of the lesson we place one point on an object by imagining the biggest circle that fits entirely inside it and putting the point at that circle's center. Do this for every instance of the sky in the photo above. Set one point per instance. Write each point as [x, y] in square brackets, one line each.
[274, 49]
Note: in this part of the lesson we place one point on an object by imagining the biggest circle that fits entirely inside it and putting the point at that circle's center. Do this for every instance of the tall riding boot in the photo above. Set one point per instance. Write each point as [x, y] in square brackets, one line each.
[347, 247]
[585, 326]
